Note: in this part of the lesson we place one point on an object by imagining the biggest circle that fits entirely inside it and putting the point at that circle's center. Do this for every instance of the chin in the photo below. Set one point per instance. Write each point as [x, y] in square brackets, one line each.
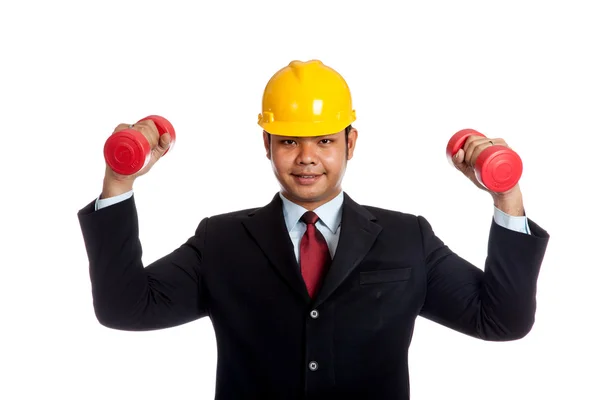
[308, 195]
[302, 193]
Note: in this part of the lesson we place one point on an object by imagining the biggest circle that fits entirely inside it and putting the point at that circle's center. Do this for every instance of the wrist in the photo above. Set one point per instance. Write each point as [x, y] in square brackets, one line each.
[114, 187]
[510, 202]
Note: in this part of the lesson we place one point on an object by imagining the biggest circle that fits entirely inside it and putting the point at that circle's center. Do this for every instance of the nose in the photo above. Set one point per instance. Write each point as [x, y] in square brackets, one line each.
[307, 153]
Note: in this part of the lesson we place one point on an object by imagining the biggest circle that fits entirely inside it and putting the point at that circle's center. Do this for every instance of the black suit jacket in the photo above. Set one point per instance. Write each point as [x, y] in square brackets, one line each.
[239, 269]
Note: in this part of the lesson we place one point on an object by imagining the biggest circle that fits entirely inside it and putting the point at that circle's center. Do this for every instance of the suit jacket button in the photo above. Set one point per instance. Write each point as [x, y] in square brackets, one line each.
[313, 366]
[314, 314]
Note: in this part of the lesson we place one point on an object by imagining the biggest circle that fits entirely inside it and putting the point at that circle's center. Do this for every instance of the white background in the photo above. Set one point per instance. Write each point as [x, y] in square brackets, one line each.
[71, 71]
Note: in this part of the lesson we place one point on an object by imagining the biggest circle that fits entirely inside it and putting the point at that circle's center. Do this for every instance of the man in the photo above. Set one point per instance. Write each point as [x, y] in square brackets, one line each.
[312, 296]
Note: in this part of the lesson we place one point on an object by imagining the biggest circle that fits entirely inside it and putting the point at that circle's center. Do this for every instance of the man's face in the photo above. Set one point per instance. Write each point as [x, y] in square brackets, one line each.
[310, 169]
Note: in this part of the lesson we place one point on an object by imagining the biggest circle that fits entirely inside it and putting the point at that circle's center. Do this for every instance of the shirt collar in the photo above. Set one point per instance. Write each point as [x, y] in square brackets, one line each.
[330, 213]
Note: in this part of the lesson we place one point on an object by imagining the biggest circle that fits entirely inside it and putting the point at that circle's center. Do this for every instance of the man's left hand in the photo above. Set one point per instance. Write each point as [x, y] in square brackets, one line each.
[511, 201]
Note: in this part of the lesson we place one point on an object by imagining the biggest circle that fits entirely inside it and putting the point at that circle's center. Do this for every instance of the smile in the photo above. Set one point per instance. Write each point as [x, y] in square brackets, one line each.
[306, 179]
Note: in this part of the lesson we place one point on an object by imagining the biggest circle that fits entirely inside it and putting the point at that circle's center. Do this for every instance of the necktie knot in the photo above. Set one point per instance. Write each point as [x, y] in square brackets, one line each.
[310, 218]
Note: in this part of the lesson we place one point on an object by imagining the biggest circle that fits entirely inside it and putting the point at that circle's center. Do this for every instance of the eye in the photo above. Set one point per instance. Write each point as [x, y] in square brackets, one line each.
[327, 141]
[288, 142]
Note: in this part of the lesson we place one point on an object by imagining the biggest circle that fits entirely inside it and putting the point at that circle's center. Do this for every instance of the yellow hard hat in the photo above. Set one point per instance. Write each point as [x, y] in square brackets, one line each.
[306, 99]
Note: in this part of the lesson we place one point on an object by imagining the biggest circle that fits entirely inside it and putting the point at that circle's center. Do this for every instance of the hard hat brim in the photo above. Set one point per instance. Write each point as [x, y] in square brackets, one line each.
[305, 129]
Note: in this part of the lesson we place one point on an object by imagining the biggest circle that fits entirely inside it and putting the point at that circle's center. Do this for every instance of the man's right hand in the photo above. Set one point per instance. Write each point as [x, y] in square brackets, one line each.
[116, 184]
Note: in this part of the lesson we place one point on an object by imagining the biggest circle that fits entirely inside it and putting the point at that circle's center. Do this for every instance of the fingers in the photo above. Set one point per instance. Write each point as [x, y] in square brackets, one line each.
[474, 145]
[121, 127]
[146, 128]
[149, 130]
[163, 145]
[459, 159]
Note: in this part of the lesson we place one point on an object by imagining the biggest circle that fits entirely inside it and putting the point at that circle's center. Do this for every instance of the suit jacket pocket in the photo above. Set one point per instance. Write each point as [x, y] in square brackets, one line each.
[385, 275]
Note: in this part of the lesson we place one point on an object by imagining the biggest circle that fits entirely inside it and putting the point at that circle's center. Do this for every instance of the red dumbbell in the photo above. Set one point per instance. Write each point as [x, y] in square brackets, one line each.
[128, 151]
[498, 168]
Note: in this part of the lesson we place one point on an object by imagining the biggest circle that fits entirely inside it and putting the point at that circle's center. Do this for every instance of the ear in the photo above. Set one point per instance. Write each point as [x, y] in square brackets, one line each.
[352, 137]
[267, 145]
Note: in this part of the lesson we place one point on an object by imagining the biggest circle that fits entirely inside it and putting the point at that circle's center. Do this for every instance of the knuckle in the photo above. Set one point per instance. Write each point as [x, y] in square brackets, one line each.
[150, 124]
[152, 129]
[473, 138]
[147, 132]
[121, 127]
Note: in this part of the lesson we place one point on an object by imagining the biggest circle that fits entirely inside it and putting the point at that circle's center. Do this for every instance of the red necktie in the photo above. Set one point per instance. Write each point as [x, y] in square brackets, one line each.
[314, 254]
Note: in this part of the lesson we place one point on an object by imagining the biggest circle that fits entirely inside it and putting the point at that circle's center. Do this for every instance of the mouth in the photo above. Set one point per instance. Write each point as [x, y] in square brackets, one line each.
[307, 179]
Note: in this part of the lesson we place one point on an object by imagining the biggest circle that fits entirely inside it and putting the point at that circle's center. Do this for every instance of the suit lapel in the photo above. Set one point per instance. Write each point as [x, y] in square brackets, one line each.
[267, 226]
[358, 233]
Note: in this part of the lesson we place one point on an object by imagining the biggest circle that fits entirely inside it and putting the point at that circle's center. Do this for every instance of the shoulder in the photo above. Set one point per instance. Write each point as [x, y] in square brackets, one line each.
[398, 220]
[231, 217]
[223, 225]
[386, 213]
[234, 215]
[387, 216]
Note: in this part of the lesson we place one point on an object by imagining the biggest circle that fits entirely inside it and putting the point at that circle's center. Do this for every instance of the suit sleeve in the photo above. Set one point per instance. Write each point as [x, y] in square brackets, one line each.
[128, 296]
[497, 303]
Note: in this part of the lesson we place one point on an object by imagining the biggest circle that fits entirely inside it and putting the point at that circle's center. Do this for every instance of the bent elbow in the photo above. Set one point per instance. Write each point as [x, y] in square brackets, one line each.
[505, 333]
[515, 333]
[522, 331]
[110, 319]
